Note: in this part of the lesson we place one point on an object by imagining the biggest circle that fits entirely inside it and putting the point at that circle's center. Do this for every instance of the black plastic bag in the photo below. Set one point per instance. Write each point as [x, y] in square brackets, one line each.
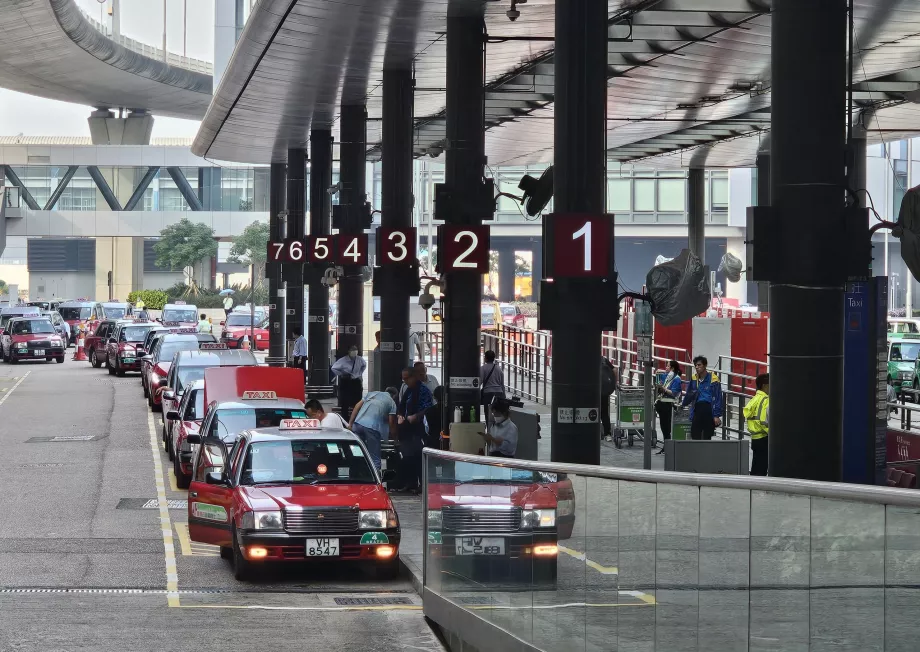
[679, 289]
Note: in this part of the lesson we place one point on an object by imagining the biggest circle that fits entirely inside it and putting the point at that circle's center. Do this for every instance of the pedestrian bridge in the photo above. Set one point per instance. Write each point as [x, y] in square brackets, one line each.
[51, 49]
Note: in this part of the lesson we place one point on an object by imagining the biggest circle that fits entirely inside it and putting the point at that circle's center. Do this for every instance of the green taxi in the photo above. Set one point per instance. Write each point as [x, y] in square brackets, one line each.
[903, 350]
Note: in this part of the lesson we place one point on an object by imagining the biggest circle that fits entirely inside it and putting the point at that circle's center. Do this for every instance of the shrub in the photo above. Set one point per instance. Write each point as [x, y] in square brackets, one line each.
[153, 299]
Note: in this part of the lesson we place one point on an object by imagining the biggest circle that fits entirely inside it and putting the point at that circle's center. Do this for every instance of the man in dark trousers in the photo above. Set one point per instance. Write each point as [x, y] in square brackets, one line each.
[704, 396]
[608, 385]
[410, 421]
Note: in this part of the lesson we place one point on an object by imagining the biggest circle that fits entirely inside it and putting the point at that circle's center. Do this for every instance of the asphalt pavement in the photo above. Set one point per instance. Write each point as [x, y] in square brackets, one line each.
[94, 552]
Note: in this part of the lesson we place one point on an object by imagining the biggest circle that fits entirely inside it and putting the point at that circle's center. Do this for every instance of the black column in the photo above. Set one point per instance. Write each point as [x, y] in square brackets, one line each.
[763, 199]
[808, 45]
[352, 173]
[277, 347]
[696, 212]
[580, 184]
[320, 224]
[505, 272]
[296, 226]
[396, 177]
[463, 176]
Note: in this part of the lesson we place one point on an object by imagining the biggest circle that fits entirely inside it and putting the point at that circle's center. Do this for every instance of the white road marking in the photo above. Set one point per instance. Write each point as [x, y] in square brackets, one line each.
[13, 388]
[169, 551]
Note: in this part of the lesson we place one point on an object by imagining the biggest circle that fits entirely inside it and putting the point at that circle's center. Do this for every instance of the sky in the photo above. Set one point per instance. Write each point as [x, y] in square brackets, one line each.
[142, 20]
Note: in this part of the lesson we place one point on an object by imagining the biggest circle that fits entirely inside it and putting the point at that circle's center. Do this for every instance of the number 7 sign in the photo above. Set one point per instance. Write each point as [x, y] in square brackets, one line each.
[581, 245]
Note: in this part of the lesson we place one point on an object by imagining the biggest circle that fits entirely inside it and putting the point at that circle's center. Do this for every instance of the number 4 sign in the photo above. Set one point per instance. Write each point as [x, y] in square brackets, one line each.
[581, 245]
[464, 248]
[351, 249]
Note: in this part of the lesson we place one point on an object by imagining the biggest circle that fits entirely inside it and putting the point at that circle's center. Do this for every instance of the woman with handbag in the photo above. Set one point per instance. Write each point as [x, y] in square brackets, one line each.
[492, 384]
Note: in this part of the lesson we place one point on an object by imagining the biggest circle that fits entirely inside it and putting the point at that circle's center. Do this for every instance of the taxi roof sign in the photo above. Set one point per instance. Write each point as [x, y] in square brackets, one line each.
[179, 303]
[299, 424]
[212, 346]
[261, 395]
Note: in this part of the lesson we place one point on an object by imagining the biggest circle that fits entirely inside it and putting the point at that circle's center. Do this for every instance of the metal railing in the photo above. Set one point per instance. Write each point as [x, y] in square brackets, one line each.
[523, 356]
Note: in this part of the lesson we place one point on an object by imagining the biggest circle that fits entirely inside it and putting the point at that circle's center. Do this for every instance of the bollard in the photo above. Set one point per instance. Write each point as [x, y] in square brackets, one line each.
[245, 345]
[80, 355]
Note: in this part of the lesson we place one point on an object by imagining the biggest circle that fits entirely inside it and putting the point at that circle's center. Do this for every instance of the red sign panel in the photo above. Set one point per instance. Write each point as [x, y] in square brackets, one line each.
[288, 251]
[581, 245]
[351, 249]
[321, 249]
[396, 246]
[463, 248]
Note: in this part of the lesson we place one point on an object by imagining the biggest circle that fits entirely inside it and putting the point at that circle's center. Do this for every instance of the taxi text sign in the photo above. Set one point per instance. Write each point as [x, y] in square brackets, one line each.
[259, 395]
[298, 424]
[212, 346]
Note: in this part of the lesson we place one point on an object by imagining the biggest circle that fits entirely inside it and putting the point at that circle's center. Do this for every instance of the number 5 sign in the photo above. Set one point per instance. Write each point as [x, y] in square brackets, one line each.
[463, 248]
[581, 245]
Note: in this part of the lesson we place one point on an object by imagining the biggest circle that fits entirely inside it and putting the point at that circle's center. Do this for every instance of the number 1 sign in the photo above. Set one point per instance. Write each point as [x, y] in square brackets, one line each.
[581, 245]
[463, 248]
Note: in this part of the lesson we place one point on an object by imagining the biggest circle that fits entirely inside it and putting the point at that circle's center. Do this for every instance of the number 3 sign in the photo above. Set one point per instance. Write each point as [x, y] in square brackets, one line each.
[463, 248]
[581, 245]
[396, 246]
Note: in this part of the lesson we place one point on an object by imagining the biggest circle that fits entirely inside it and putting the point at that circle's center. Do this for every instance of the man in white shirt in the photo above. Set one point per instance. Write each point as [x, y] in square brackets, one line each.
[300, 350]
[315, 410]
[502, 437]
[349, 371]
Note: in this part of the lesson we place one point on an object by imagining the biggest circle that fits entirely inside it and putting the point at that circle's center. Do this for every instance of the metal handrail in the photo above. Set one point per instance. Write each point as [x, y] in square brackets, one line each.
[830, 490]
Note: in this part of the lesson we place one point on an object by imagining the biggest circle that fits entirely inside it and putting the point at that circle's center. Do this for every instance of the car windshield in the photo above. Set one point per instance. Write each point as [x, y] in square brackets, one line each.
[32, 327]
[189, 374]
[232, 421]
[183, 315]
[902, 327]
[134, 333]
[467, 472]
[113, 312]
[75, 312]
[169, 349]
[904, 352]
[240, 319]
[44, 305]
[306, 462]
[508, 311]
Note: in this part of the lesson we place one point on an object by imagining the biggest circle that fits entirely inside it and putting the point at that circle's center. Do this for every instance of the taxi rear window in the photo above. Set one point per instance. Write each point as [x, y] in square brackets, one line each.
[232, 421]
[75, 312]
[134, 333]
[306, 462]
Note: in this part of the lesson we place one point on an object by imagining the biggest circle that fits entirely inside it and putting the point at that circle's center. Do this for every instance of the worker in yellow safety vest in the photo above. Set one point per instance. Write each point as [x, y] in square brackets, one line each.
[757, 413]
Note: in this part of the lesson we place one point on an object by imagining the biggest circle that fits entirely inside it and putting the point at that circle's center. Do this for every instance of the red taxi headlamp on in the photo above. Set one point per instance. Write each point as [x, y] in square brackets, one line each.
[377, 519]
[385, 552]
[257, 552]
[262, 521]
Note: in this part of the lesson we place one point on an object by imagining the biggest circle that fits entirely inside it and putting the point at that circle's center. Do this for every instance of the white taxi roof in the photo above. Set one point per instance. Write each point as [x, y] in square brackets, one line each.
[275, 403]
[317, 434]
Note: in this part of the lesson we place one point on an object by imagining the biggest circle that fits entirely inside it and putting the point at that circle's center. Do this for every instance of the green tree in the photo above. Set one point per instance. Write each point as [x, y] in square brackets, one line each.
[184, 244]
[3, 287]
[251, 248]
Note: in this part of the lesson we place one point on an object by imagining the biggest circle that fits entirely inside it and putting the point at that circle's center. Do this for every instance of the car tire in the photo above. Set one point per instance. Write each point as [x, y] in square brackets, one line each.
[182, 481]
[388, 570]
[13, 360]
[59, 360]
[169, 449]
[93, 360]
[154, 406]
[144, 385]
[110, 370]
[242, 569]
[119, 372]
[226, 552]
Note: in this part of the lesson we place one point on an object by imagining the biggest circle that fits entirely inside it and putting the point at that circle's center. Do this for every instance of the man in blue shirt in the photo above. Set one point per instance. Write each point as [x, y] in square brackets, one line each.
[410, 418]
[374, 418]
[704, 396]
[300, 350]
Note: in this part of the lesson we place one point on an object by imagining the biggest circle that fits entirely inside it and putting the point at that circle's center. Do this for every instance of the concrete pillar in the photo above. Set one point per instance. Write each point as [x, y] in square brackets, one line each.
[506, 265]
[809, 49]
[696, 212]
[114, 254]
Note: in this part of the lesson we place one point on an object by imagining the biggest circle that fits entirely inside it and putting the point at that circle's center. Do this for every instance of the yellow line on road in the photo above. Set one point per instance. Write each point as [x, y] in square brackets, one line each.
[395, 607]
[172, 480]
[13, 388]
[169, 548]
[580, 556]
[185, 543]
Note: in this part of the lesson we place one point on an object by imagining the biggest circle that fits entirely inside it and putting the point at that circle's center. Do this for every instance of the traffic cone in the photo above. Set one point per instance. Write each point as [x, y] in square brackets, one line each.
[245, 346]
[80, 355]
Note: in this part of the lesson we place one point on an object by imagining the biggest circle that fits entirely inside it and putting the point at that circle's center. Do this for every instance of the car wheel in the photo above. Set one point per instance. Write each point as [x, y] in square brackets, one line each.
[110, 370]
[93, 360]
[146, 393]
[242, 569]
[388, 570]
[60, 360]
[226, 552]
[182, 480]
[13, 360]
[169, 449]
[119, 372]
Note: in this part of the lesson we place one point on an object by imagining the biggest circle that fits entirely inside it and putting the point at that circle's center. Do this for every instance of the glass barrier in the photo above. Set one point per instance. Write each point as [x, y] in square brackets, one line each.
[566, 561]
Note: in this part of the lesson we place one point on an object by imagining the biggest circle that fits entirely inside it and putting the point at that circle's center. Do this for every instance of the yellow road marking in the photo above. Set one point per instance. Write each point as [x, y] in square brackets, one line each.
[185, 543]
[395, 607]
[169, 550]
[194, 548]
[172, 480]
[13, 388]
[580, 556]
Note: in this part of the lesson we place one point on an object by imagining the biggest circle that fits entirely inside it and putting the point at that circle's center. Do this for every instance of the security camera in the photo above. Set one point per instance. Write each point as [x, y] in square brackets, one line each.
[331, 277]
[435, 151]
[426, 300]
[334, 189]
[513, 14]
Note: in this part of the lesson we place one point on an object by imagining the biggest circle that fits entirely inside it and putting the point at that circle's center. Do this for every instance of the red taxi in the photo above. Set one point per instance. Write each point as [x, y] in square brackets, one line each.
[238, 325]
[186, 420]
[125, 347]
[79, 312]
[95, 343]
[31, 338]
[179, 314]
[484, 520]
[297, 493]
[158, 362]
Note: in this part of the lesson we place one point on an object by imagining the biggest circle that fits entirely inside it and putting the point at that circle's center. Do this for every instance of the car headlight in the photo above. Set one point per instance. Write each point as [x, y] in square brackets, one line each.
[537, 518]
[565, 507]
[262, 521]
[434, 518]
[56, 341]
[377, 520]
[906, 375]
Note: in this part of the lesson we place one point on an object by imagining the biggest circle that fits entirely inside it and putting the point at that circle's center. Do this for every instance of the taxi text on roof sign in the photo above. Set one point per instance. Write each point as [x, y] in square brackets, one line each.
[213, 346]
[261, 395]
[179, 303]
[298, 424]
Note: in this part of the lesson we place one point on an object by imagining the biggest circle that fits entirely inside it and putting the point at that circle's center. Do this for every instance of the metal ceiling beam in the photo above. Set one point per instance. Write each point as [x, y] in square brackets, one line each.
[56, 195]
[713, 6]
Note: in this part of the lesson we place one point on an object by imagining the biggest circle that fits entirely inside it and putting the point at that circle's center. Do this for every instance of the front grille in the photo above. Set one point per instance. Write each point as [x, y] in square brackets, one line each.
[321, 521]
[478, 519]
[34, 344]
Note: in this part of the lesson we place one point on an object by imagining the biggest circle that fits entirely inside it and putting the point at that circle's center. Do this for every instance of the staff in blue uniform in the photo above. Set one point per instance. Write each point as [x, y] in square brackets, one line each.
[704, 396]
[668, 391]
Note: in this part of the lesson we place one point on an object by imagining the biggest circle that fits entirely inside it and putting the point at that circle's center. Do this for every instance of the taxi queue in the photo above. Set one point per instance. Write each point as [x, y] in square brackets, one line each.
[265, 483]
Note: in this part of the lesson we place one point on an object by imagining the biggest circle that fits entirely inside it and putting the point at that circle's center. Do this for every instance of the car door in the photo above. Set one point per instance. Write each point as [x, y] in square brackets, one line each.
[111, 350]
[209, 517]
[98, 341]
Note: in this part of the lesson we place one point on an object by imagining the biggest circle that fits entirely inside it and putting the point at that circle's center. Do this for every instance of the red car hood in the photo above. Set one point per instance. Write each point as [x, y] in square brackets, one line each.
[33, 337]
[507, 495]
[161, 369]
[364, 496]
[128, 346]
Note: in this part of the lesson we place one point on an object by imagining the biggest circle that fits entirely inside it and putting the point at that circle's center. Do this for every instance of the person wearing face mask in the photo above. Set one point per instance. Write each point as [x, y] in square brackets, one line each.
[349, 372]
[502, 437]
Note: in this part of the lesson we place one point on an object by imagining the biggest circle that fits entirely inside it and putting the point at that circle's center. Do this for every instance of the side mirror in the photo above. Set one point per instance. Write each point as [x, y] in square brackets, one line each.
[214, 478]
[223, 323]
[159, 319]
[192, 439]
[171, 415]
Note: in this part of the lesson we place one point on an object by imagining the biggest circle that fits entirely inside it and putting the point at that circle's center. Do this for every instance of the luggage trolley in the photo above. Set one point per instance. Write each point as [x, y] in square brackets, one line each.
[630, 417]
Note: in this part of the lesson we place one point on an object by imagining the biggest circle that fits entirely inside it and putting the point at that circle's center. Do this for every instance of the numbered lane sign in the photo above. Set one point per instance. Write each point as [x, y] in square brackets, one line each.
[581, 245]
[321, 249]
[396, 246]
[288, 251]
[463, 248]
[351, 249]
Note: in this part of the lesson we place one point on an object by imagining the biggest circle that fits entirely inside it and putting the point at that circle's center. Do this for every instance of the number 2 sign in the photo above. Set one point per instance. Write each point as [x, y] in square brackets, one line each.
[463, 248]
[581, 245]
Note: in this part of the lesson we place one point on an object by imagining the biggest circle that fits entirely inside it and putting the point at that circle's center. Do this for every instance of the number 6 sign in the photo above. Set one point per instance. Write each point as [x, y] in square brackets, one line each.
[463, 248]
[581, 245]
